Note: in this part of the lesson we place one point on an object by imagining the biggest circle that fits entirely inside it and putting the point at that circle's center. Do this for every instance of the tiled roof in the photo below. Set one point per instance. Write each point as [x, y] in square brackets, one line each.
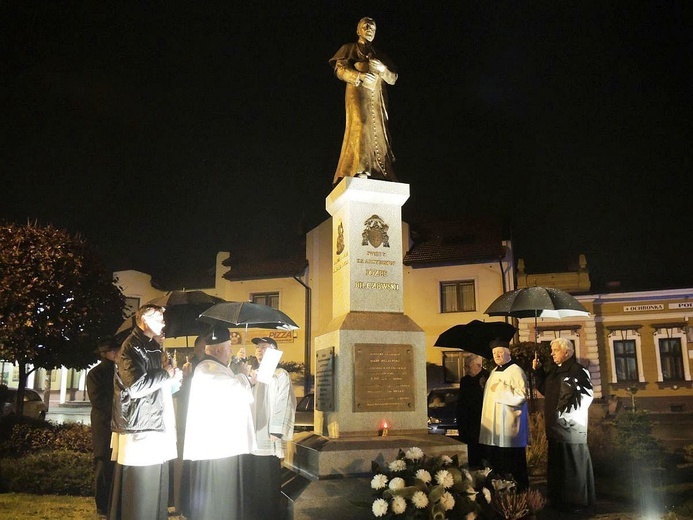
[456, 242]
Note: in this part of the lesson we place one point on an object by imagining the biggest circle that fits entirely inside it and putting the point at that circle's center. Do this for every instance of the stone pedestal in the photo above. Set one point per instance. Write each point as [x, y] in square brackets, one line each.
[378, 373]
[371, 372]
[330, 478]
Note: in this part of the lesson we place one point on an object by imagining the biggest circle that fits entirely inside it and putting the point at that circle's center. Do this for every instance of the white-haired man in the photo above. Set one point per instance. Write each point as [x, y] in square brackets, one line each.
[567, 387]
[469, 407]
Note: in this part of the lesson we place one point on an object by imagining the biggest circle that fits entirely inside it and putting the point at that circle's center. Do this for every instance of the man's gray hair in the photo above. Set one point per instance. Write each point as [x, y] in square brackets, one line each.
[565, 345]
[472, 358]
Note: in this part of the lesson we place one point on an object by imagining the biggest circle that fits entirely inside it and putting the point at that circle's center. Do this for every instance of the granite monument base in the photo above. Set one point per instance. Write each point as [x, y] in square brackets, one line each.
[330, 478]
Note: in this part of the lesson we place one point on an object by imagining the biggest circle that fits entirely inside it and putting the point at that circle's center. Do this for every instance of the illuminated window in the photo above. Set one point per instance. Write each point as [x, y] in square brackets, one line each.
[626, 360]
[671, 359]
[457, 296]
[626, 355]
[271, 299]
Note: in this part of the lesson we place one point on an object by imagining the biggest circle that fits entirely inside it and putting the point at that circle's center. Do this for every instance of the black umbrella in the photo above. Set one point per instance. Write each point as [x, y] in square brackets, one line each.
[125, 329]
[182, 311]
[476, 336]
[536, 302]
[247, 315]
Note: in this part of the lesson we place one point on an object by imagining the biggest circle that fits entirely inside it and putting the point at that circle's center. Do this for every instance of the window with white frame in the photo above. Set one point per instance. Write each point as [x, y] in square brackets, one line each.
[670, 348]
[271, 299]
[626, 356]
[670, 359]
[457, 296]
[626, 360]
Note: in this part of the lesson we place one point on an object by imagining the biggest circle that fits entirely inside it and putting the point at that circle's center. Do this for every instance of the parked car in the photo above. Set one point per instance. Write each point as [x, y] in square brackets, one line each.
[305, 414]
[442, 405]
[34, 407]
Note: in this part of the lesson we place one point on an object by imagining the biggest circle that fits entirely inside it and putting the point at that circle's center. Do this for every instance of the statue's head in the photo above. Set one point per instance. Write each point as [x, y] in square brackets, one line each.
[366, 29]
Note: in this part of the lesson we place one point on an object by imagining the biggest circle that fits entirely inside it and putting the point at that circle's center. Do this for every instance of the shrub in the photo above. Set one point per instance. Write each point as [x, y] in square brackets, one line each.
[26, 438]
[634, 440]
[538, 449]
[73, 437]
[49, 472]
[602, 445]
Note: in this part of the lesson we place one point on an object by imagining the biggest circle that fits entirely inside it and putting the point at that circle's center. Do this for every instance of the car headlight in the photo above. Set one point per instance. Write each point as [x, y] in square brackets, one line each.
[433, 420]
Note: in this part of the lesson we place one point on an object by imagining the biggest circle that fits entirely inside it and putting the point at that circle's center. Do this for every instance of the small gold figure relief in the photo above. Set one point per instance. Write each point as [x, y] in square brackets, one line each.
[340, 238]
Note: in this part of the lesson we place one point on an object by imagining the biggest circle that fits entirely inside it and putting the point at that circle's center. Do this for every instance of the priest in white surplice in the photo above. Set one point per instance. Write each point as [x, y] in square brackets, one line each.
[274, 411]
[219, 428]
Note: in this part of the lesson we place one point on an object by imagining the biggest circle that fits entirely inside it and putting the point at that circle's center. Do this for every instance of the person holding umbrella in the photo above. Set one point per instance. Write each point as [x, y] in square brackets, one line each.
[505, 417]
[469, 406]
[143, 421]
[567, 388]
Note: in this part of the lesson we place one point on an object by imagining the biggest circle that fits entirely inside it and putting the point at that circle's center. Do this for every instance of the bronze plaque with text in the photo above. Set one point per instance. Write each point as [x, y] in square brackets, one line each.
[383, 378]
[324, 379]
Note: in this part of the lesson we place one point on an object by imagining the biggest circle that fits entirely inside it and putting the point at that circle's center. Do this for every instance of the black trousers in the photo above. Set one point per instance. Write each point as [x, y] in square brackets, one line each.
[103, 480]
[509, 460]
[264, 475]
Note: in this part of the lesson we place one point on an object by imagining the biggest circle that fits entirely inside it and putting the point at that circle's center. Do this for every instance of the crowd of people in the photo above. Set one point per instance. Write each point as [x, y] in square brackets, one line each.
[227, 429]
[205, 438]
[493, 420]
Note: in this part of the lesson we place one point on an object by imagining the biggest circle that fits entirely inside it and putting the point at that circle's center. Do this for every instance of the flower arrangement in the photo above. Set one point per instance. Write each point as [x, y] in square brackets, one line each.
[414, 486]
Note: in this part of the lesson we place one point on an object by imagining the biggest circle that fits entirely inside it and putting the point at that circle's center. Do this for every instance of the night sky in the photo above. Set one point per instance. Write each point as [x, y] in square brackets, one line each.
[167, 131]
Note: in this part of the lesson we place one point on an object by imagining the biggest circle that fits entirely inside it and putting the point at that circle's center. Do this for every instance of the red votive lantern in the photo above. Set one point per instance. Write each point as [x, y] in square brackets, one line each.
[384, 428]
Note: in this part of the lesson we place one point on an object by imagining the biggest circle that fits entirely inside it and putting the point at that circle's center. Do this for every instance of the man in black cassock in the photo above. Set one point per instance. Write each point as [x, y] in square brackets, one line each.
[568, 391]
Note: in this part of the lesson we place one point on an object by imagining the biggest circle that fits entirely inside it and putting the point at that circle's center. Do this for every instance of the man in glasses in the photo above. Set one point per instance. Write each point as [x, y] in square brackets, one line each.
[143, 423]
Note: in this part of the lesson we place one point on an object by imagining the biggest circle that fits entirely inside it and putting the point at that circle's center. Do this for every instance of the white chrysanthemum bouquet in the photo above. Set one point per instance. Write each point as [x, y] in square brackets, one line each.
[415, 486]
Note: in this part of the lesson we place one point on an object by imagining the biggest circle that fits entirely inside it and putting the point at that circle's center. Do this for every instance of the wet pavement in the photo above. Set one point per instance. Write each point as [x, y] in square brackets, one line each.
[79, 412]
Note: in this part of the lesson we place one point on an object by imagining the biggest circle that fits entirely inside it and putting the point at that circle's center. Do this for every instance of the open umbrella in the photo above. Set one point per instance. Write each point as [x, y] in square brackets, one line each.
[476, 336]
[182, 311]
[536, 302]
[248, 315]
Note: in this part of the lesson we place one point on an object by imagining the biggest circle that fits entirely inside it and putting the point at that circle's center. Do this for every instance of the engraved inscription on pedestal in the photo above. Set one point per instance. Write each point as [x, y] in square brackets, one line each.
[383, 378]
[324, 379]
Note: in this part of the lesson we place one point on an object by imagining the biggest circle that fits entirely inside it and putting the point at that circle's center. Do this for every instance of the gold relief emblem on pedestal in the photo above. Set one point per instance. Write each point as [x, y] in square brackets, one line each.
[340, 239]
[375, 232]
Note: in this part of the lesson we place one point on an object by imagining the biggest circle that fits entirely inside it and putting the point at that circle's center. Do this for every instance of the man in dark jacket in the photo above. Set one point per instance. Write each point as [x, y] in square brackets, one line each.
[100, 390]
[567, 388]
[144, 421]
[469, 407]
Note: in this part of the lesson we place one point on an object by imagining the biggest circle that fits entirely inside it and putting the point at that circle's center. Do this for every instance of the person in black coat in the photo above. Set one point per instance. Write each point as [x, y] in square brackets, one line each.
[567, 387]
[100, 391]
[469, 408]
[144, 421]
